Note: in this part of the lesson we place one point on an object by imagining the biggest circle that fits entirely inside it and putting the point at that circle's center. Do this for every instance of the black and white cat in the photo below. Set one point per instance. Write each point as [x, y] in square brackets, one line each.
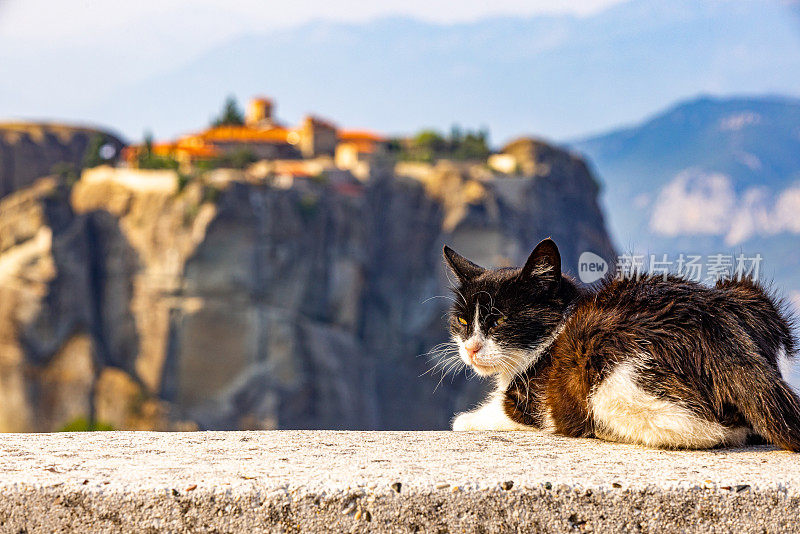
[660, 362]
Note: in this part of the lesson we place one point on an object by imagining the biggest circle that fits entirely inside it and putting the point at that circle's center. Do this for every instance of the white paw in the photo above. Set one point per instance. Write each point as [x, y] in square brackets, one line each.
[466, 421]
[485, 419]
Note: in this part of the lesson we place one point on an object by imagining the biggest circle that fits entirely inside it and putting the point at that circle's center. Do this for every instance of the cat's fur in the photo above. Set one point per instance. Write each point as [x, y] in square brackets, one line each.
[663, 363]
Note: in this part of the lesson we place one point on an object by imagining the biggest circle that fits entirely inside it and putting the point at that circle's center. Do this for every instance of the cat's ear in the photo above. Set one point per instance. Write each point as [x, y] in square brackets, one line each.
[463, 268]
[544, 262]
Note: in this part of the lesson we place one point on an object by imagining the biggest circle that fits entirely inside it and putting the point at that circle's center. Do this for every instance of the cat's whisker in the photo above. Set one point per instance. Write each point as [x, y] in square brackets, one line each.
[441, 357]
[505, 366]
[460, 294]
[438, 355]
[453, 365]
[438, 350]
[442, 374]
[451, 299]
[445, 356]
[491, 299]
[446, 361]
[511, 366]
[440, 363]
[428, 371]
[471, 370]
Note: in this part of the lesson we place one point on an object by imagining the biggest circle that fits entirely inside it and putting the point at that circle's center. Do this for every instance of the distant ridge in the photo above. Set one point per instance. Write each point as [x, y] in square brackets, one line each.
[553, 76]
[712, 134]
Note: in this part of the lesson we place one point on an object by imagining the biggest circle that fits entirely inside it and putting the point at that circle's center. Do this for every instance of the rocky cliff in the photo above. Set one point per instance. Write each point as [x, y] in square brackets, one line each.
[29, 151]
[230, 302]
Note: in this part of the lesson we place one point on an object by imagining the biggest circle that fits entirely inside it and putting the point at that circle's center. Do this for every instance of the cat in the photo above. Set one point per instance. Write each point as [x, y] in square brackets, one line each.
[656, 361]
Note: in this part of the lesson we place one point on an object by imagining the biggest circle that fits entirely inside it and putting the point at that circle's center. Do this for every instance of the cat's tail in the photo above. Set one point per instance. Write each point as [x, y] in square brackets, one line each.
[769, 404]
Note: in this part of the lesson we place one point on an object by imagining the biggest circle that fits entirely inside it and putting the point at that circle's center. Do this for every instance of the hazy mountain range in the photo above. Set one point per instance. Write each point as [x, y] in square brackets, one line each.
[741, 155]
[555, 76]
[708, 176]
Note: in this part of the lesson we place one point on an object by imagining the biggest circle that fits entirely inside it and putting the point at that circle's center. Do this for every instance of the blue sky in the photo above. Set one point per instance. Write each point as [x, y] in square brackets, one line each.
[84, 61]
[177, 29]
[56, 21]
[144, 37]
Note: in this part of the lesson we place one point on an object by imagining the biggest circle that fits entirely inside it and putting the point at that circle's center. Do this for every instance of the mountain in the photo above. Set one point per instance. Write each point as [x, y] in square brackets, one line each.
[708, 176]
[555, 76]
[723, 168]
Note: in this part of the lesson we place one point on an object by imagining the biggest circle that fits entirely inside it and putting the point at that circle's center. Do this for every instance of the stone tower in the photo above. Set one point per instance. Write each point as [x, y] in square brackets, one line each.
[259, 112]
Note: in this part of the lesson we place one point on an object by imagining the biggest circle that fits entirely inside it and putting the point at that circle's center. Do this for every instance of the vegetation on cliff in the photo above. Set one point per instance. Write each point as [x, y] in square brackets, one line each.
[431, 145]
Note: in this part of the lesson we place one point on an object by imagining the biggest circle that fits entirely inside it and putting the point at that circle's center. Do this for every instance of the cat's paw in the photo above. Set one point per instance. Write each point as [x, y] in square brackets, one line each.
[486, 418]
[467, 421]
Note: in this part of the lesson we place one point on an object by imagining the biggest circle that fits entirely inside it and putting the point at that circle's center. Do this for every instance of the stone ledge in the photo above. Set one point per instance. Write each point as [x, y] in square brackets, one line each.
[291, 481]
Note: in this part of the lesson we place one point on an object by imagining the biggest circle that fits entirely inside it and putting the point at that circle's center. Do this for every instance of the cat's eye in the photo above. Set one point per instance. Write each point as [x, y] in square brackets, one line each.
[462, 321]
[497, 322]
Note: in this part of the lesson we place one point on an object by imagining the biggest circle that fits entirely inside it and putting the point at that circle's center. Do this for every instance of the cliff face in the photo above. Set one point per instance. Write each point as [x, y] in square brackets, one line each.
[247, 305]
[29, 151]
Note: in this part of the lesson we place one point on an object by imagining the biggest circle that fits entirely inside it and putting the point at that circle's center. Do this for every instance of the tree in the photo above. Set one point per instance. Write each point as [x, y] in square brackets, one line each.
[231, 114]
[474, 145]
[93, 156]
[456, 137]
[430, 145]
[147, 151]
[147, 159]
[430, 140]
[427, 145]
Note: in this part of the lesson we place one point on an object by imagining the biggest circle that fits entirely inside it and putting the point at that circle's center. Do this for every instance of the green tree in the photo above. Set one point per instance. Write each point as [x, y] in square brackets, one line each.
[430, 145]
[147, 159]
[456, 137]
[93, 157]
[430, 140]
[147, 146]
[427, 145]
[474, 145]
[231, 114]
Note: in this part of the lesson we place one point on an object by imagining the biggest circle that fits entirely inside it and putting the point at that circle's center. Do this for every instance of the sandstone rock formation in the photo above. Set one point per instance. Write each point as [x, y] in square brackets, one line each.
[29, 151]
[236, 303]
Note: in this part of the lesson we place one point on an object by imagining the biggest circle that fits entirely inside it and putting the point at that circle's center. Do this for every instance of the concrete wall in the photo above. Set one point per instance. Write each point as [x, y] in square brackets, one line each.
[304, 481]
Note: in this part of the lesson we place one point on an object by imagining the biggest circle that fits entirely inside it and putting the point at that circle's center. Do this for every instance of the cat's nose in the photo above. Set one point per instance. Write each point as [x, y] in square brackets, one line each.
[473, 347]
